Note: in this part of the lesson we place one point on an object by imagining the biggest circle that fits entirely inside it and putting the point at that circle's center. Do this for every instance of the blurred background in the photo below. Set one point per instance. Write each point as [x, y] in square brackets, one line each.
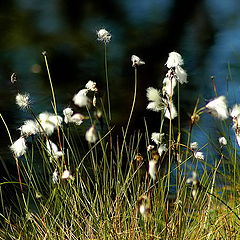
[206, 33]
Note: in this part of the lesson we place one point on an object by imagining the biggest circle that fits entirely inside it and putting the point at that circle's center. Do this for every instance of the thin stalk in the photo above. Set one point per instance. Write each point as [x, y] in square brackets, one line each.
[53, 96]
[50, 80]
[107, 83]
[16, 159]
[131, 112]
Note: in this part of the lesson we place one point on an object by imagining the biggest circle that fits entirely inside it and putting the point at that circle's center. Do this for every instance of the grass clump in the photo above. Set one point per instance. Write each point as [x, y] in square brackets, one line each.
[76, 180]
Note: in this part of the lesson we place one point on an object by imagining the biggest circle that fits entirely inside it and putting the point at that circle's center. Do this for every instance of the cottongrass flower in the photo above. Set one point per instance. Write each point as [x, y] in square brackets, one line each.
[144, 205]
[170, 110]
[19, 147]
[67, 112]
[218, 108]
[195, 183]
[199, 155]
[193, 179]
[157, 137]
[168, 86]
[156, 103]
[66, 174]
[92, 86]
[49, 122]
[136, 61]
[235, 112]
[81, 99]
[53, 151]
[55, 176]
[91, 134]
[150, 147]
[161, 149]
[23, 100]
[194, 145]
[222, 141]
[77, 118]
[181, 74]
[152, 169]
[29, 128]
[103, 35]
[174, 60]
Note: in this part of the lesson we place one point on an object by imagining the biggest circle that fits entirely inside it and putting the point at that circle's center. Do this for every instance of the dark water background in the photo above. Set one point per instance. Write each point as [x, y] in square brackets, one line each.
[206, 33]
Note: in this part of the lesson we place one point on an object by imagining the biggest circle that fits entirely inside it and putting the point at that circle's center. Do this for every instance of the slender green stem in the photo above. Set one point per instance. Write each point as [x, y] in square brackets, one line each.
[16, 159]
[131, 112]
[107, 83]
[134, 100]
[51, 85]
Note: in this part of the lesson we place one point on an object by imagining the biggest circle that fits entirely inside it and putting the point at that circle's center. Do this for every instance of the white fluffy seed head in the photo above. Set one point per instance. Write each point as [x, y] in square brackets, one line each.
[235, 112]
[49, 122]
[103, 35]
[29, 128]
[81, 99]
[19, 147]
[170, 110]
[174, 60]
[136, 61]
[92, 86]
[53, 151]
[168, 86]
[66, 174]
[23, 100]
[152, 169]
[162, 148]
[218, 108]
[222, 141]
[199, 155]
[157, 137]
[194, 146]
[55, 176]
[155, 104]
[91, 134]
[181, 74]
[67, 112]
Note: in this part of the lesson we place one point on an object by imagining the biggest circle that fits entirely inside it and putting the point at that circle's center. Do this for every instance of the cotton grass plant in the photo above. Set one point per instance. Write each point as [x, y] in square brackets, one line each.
[75, 182]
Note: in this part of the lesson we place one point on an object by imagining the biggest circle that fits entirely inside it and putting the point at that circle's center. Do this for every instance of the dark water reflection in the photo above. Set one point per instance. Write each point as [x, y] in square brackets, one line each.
[206, 33]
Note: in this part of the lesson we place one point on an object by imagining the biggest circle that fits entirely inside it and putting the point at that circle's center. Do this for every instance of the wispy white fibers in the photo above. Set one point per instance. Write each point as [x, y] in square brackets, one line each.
[155, 100]
[49, 122]
[81, 99]
[30, 127]
[91, 134]
[218, 108]
[222, 141]
[103, 35]
[136, 61]
[67, 112]
[23, 100]
[174, 60]
[53, 150]
[157, 137]
[235, 114]
[152, 169]
[170, 110]
[19, 147]
[174, 63]
[92, 86]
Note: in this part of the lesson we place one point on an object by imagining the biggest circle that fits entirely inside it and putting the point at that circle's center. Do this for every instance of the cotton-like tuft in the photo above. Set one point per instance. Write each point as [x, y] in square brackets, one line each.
[174, 60]
[103, 35]
[19, 147]
[218, 108]
[23, 100]
[29, 128]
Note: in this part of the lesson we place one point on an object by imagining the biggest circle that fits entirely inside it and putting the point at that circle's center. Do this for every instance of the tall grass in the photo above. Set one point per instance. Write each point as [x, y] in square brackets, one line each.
[109, 193]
